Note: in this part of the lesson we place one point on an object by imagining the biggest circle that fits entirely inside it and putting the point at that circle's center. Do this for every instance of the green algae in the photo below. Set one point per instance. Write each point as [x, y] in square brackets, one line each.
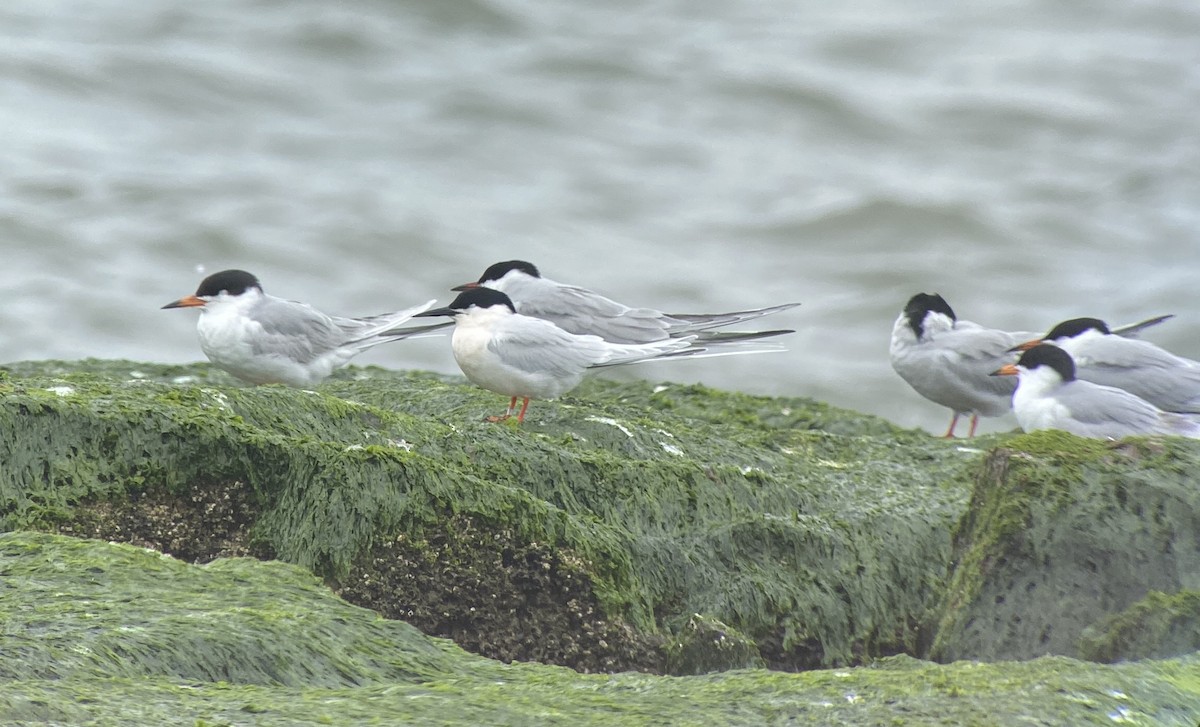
[1062, 532]
[591, 535]
[76, 608]
[705, 645]
[1160, 625]
[1049, 692]
[820, 534]
[272, 647]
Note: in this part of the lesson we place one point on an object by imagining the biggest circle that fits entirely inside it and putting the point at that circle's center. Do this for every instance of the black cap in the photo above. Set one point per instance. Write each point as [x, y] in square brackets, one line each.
[479, 297]
[233, 282]
[1047, 354]
[499, 270]
[922, 304]
[1076, 326]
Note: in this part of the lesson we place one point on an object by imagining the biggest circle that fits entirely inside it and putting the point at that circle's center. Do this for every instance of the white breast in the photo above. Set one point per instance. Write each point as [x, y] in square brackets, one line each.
[473, 334]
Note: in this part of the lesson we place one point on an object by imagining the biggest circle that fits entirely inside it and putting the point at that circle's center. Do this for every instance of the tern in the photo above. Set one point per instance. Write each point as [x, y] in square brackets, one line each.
[948, 361]
[1049, 396]
[1169, 382]
[585, 312]
[526, 358]
[262, 339]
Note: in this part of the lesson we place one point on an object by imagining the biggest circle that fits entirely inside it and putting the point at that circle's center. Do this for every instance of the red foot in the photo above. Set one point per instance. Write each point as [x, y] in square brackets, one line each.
[950, 432]
[508, 415]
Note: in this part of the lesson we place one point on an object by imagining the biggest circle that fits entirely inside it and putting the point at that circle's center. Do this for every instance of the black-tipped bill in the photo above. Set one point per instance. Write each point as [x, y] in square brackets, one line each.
[1025, 346]
[188, 301]
[477, 296]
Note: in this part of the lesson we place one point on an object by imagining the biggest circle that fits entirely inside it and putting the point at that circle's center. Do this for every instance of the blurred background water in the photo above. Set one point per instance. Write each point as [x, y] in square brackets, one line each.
[1031, 160]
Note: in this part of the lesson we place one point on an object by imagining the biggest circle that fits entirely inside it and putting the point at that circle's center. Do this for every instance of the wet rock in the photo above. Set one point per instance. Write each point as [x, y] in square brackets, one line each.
[706, 645]
[1158, 626]
[1062, 533]
[99, 633]
[808, 537]
[579, 538]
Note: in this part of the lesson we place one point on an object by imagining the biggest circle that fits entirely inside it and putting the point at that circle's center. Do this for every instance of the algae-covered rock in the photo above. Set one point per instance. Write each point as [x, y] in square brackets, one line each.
[110, 635]
[1064, 532]
[576, 539]
[590, 535]
[1158, 626]
[705, 645]
[78, 608]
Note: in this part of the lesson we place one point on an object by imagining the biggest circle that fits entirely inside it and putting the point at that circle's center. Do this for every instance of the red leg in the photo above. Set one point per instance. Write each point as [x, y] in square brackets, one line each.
[974, 423]
[950, 432]
[524, 406]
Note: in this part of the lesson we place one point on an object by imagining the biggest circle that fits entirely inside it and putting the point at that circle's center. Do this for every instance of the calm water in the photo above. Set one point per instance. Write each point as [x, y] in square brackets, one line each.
[1031, 160]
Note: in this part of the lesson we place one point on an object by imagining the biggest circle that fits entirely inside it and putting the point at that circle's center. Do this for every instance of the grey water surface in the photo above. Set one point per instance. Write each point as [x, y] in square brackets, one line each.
[1031, 160]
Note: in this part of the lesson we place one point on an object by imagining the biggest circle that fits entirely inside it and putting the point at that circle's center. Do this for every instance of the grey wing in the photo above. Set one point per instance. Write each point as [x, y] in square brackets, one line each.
[954, 369]
[546, 349]
[1131, 354]
[1170, 382]
[981, 344]
[1133, 330]
[294, 330]
[1104, 411]
[686, 323]
[584, 312]
[360, 330]
[981, 351]
[1176, 390]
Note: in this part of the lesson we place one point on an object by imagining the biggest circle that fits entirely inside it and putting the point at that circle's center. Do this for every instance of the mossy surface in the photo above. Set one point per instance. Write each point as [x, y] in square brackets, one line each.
[76, 608]
[103, 634]
[1062, 532]
[593, 535]
[705, 645]
[1160, 625]
[820, 534]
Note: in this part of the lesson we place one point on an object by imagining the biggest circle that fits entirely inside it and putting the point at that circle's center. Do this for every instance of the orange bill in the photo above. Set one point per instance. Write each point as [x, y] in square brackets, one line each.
[1025, 346]
[189, 301]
